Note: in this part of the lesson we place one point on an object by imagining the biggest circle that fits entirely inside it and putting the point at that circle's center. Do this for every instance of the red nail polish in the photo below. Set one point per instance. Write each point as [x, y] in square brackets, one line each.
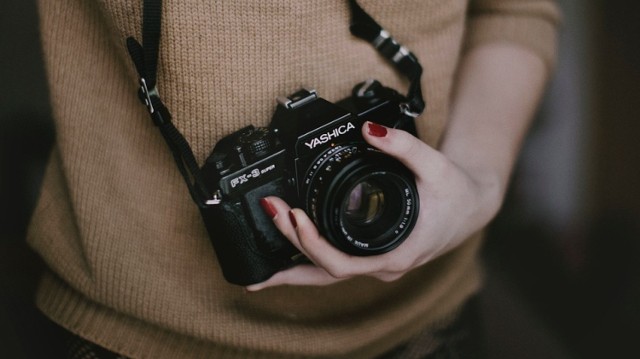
[377, 130]
[292, 217]
[268, 208]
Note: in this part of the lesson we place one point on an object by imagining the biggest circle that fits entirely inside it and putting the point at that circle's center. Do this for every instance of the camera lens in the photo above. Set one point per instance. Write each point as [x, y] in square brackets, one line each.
[364, 205]
[364, 202]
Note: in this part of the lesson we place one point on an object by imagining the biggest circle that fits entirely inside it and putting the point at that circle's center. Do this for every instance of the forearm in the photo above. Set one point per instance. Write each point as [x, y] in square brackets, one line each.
[498, 88]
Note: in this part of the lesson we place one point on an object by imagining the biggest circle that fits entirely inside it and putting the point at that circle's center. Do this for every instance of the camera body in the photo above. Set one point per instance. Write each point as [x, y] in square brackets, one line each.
[313, 156]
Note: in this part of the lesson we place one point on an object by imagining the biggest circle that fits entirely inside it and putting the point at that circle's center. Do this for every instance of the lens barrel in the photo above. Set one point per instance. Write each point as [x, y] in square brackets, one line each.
[363, 201]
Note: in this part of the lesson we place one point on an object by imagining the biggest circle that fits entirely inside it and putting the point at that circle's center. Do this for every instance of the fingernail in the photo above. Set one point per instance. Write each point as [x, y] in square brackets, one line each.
[268, 208]
[292, 217]
[377, 130]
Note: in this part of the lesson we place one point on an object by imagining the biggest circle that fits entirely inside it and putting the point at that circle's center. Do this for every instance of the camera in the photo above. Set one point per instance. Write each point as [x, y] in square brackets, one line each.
[313, 156]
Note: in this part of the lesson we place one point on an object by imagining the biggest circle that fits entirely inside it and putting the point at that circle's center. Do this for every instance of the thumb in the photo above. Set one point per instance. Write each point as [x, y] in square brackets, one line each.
[416, 155]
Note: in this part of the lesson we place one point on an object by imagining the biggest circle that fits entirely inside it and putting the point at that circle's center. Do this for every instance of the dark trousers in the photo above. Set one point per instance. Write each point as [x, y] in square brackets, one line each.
[461, 339]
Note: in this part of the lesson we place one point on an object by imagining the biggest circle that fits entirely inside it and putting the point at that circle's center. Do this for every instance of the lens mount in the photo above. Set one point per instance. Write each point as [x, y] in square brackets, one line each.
[363, 201]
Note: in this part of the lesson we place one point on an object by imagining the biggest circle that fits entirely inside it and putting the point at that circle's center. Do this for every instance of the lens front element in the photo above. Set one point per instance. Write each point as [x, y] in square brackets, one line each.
[364, 205]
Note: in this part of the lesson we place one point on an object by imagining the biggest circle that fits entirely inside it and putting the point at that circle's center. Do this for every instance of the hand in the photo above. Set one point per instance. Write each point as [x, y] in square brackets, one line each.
[454, 205]
[460, 188]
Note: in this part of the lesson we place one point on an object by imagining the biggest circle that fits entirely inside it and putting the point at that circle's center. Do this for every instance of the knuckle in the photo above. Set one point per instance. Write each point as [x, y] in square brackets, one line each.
[389, 277]
[399, 265]
[338, 272]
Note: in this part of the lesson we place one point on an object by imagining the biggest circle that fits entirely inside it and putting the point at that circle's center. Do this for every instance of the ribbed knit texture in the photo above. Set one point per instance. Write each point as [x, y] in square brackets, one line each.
[132, 268]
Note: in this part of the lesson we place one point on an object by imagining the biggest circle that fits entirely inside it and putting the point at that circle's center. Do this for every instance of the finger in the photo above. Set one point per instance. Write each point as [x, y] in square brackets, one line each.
[336, 262]
[419, 157]
[278, 210]
[302, 232]
[325, 255]
[303, 274]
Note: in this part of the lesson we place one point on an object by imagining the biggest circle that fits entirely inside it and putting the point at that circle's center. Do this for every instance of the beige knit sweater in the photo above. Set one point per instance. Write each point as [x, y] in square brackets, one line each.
[131, 266]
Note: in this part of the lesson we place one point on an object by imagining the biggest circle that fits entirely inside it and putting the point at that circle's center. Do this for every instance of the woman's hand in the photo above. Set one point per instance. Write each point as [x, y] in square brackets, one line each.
[454, 205]
[461, 186]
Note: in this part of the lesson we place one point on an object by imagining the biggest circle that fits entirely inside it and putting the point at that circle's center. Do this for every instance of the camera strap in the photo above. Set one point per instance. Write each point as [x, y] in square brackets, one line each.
[145, 59]
[365, 27]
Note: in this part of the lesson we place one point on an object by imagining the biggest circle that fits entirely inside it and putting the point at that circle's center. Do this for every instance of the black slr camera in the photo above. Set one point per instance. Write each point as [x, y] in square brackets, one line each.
[313, 156]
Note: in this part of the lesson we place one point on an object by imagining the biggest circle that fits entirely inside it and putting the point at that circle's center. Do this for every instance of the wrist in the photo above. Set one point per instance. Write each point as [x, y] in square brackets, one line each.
[488, 171]
[490, 188]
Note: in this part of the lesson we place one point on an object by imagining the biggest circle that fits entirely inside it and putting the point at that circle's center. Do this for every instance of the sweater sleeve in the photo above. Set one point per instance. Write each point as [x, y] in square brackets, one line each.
[529, 23]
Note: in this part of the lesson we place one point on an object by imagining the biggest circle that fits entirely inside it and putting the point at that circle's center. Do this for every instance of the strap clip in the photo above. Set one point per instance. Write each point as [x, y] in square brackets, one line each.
[215, 199]
[389, 47]
[159, 113]
[145, 95]
[405, 108]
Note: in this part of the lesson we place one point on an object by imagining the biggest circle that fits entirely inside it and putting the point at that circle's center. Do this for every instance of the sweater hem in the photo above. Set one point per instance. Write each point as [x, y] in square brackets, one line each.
[136, 339]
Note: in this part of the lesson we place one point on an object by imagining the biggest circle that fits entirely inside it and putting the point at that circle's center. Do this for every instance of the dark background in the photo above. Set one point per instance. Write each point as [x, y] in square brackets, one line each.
[563, 275]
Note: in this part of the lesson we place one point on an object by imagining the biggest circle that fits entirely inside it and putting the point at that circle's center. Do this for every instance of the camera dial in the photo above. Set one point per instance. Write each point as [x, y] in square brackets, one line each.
[257, 142]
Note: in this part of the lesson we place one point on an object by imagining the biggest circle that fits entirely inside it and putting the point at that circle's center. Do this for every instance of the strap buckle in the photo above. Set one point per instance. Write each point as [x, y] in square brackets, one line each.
[145, 95]
[389, 47]
[159, 114]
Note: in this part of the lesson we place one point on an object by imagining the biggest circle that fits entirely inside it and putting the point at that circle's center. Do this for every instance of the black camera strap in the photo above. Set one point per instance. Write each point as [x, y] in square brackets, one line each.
[366, 28]
[145, 59]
